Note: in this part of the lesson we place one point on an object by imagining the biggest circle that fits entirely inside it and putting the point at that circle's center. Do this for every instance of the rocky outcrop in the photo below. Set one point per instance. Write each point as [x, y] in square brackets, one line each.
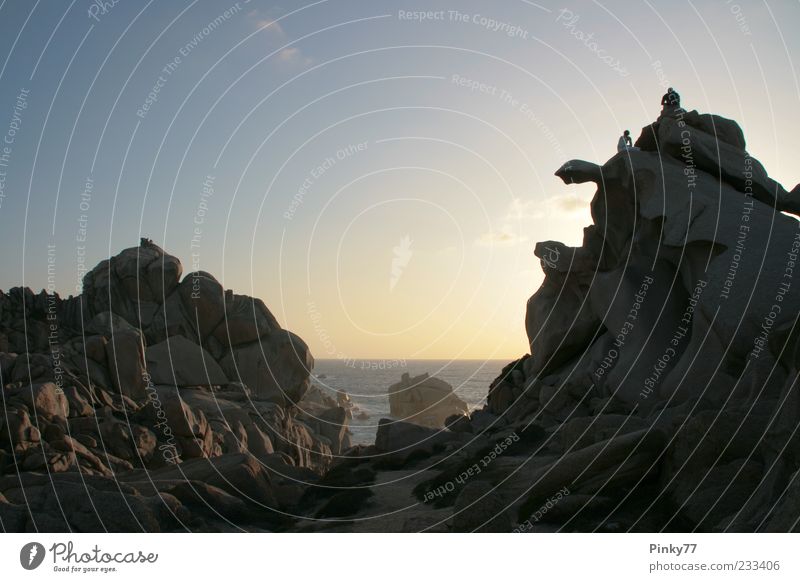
[424, 400]
[132, 284]
[660, 392]
[661, 389]
[179, 361]
[155, 403]
[275, 367]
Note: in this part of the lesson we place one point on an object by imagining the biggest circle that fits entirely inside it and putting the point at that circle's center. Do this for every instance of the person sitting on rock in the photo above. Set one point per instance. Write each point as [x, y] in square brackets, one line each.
[625, 144]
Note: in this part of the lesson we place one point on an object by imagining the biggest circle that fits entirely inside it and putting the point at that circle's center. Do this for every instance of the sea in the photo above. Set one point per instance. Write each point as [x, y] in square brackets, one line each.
[367, 382]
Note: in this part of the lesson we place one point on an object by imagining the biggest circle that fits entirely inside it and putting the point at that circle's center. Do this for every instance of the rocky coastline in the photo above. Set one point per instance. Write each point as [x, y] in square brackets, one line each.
[659, 392]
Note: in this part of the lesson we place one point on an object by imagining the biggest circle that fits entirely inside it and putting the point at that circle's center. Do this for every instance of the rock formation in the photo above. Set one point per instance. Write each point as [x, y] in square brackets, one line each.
[424, 400]
[660, 392]
[152, 402]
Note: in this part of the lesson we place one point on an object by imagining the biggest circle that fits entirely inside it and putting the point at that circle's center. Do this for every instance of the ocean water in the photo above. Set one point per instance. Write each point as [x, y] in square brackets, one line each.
[367, 382]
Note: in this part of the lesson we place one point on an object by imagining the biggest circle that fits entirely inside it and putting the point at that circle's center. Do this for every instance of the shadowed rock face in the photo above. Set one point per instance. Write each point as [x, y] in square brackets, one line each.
[676, 316]
[238, 332]
[661, 389]
[660, 393]
[190, 395]
[683, 267]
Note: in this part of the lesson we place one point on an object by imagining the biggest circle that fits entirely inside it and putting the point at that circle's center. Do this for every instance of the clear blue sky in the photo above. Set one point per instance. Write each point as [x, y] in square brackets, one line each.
[418, 243]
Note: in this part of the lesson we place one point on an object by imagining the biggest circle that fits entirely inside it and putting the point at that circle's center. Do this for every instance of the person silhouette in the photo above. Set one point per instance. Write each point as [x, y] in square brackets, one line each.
[671, 101]
[625, 143]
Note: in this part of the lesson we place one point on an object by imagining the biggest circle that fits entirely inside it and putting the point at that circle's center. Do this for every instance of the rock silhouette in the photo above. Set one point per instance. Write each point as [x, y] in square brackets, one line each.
[152, 402]
[660, 392]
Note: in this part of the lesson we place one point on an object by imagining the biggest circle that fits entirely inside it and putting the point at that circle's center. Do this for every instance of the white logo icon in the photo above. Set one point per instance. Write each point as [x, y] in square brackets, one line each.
[402, 255]
[31, 555]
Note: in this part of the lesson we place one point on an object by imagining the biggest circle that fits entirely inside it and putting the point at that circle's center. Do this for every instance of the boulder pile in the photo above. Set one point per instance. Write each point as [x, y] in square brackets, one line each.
[152, 402]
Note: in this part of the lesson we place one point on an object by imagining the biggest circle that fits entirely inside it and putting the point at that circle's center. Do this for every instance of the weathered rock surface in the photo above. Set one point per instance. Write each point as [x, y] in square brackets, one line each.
[661, 390]
[132, 415]
[181, 362]
[424, 400]
[276, 367]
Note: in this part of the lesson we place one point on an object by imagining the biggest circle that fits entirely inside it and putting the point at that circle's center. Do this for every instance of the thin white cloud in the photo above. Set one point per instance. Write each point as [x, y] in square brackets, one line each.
[270, 26]
[522, 216]
[567, 203]
[502, 237]
[558, 204]
[292, 56]
[519, 209]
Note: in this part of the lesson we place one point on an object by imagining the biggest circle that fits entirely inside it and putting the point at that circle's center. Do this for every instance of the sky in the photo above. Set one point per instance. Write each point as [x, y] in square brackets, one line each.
[377, 172]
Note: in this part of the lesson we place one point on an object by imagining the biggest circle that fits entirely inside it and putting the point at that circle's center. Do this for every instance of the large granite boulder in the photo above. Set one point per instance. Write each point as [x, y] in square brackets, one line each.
[133, 283]
[424, 400]
[246, 319]
[277, 367]
[181, 362]
[125, 357]
[45, 399]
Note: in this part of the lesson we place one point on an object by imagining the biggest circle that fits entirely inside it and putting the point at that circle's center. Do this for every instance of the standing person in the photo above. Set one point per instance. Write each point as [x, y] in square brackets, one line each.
[671, 101]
